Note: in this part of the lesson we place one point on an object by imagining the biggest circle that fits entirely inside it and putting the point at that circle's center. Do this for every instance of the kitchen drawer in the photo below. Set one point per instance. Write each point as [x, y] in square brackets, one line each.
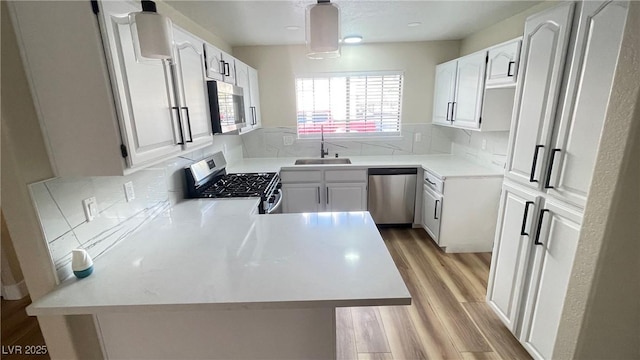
[359, 175]
[433, 182]
[293, 176]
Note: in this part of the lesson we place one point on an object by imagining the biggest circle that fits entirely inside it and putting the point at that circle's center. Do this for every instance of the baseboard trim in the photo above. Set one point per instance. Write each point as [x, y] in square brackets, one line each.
[15, 291]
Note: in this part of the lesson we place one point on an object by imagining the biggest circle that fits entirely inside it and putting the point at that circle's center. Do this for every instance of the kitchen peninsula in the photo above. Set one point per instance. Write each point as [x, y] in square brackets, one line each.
[212, 279]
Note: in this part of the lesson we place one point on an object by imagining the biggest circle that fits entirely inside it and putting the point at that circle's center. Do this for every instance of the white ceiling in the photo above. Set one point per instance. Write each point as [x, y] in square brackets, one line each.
[241, 22]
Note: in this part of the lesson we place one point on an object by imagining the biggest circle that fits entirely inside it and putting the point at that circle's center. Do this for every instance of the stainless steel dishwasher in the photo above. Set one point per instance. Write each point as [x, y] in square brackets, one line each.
[392, 195]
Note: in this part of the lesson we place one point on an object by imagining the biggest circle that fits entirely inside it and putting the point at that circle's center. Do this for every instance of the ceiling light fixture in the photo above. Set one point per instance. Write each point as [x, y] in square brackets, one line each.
[414, 24]
[152, 32]
[323, 30]
[354, 39]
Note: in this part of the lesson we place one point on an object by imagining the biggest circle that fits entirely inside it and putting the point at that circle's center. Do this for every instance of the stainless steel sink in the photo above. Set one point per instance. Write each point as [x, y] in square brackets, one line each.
[327, 161]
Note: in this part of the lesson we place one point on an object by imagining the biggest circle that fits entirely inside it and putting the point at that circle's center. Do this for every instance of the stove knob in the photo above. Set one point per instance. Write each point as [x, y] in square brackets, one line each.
[279, 186]
[272, 198]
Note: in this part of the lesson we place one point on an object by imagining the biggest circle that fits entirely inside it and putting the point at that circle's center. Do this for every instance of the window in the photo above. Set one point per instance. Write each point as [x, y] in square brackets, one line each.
[348, 105]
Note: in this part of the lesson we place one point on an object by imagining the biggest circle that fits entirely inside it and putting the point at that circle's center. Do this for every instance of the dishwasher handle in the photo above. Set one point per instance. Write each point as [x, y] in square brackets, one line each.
[393, 171]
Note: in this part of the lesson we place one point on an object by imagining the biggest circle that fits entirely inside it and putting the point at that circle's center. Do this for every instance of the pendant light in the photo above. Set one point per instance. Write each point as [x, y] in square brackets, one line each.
[151, 33]
[323, 30]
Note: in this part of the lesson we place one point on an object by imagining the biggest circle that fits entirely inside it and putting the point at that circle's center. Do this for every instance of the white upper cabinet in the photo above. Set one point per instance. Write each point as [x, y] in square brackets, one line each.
[220, 65]
[462, 100]
[570, 167]
[247, 79]
[254, 90]
[444, 92]
[242, 78]
[546, 36]
[193, 101]
[467, 104]
[70, 86]
[502, 68]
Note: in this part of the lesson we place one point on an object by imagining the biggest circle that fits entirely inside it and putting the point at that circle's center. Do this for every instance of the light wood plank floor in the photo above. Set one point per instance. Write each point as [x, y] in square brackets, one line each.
[448, 318]
[19, 329]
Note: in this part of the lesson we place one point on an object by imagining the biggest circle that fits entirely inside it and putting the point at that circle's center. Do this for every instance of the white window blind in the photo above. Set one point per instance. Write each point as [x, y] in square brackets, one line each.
[357, 104]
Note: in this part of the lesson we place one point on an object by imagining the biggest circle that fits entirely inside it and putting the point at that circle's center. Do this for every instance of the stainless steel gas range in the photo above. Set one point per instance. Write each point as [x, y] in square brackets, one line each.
[208, 179]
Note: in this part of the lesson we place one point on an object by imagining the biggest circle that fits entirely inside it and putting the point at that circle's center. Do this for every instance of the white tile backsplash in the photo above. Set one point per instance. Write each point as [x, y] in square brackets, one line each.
[59, 204]
[269, 142]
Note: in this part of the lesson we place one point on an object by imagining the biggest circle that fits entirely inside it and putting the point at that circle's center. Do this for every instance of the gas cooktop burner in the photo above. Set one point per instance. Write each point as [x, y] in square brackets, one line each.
[239, 185]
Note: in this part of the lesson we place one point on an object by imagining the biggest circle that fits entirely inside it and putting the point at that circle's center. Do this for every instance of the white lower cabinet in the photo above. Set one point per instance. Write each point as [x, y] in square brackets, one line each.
[511, 251]
[346, 197]
[536, 242]
[431, 212]
[300, 198]
[324, 190]
[555, 248]
[467, 222]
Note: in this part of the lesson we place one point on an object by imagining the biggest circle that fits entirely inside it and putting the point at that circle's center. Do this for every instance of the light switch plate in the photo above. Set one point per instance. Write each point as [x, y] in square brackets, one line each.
[128, 191]
[287, 140]
[90, 206]
[484, 144]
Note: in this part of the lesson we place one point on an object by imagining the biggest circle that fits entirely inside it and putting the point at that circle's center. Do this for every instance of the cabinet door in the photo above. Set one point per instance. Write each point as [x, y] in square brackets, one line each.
[254, 89]
[550, 273]
[431, 213]
[242, 78]
[215, 64]
[300, 198]
[229, 69]
[580, 123]
[502, 68]
[444, 91]
[346, 197]
[543, 55]
[511, 250]
[144, 92]
[467, 104]
[194, 105]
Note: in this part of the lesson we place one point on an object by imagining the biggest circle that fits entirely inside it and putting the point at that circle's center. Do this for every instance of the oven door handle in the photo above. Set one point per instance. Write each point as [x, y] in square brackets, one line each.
[277, 204]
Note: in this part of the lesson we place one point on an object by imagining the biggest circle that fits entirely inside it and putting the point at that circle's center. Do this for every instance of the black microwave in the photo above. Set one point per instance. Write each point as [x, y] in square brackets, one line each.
[226, 104]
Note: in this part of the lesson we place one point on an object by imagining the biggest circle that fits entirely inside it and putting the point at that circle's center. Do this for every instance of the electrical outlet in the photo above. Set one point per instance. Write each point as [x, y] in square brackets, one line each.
[90, 206]
[287, 140]
[484, 144]
[417, 137]
[129, 194]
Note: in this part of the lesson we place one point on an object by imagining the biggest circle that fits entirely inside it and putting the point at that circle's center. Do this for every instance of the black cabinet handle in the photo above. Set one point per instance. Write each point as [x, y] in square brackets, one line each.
[550, 169]
[429, 181]
[181, 142]
[536, 241]
[254, 117]
[435, 210]
[524, 218]
[453, 106]
[448, 106]
[227, 71]
[535, 163]
[188, 123]
[510, 67]
[327, 195]
[318, 194]
[222, 67]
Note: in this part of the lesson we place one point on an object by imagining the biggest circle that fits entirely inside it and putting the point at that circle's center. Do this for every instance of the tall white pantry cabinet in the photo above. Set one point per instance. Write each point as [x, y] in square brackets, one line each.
[569, 55]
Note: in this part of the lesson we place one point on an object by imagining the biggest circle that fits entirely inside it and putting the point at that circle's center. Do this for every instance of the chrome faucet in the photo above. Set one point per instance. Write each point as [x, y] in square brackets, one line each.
[323, 151]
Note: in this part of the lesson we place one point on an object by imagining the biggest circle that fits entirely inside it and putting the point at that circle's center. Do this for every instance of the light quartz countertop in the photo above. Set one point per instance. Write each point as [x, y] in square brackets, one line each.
[443, 166]
[220, 255]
